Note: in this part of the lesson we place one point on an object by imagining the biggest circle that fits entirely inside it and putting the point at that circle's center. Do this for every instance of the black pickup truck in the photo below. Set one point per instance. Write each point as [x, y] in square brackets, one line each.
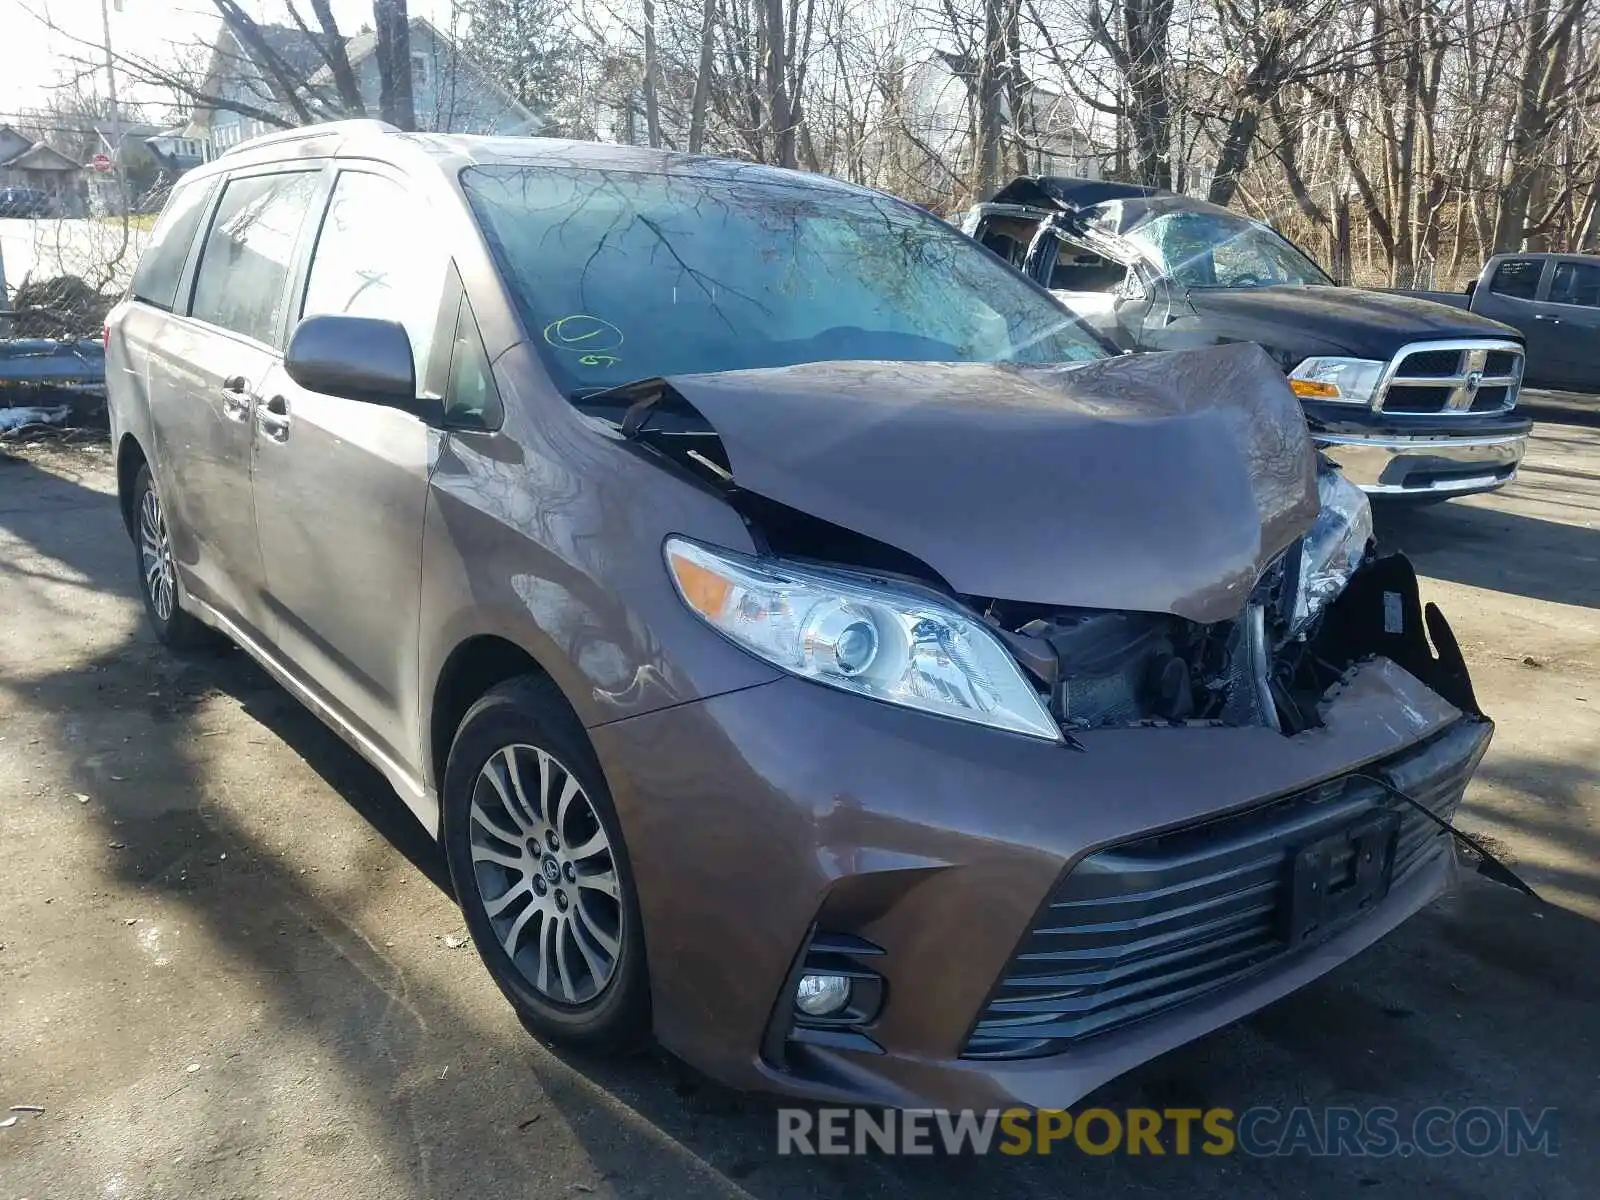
[1413, 399]
[1553, 300]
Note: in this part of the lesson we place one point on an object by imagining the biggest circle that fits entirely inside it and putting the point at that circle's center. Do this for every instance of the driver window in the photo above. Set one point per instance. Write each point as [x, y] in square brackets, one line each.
[1079, 269]
[1007, 247]
[1240, 262]
[367, 262]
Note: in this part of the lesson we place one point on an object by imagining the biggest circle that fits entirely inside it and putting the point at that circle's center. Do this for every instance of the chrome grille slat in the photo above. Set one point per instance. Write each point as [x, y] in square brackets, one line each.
[1421, 380]
[1139, 927]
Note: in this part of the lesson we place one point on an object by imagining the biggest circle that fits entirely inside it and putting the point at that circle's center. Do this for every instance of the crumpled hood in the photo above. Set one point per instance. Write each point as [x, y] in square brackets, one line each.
[1160, 483]
[1337, 320]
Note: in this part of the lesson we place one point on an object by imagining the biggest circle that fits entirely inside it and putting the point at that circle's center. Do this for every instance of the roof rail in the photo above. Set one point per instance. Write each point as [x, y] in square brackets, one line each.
[304, 132]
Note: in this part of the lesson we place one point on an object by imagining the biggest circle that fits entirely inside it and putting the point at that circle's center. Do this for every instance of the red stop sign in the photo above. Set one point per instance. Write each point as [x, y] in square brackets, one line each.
[101, 162]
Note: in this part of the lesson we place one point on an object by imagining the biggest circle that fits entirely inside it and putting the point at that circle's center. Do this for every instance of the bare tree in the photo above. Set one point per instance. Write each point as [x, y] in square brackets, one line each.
[392, 24]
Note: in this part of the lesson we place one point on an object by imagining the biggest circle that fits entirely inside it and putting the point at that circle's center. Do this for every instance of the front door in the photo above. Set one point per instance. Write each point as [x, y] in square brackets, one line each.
[1512, 296]
[1108, 294]
[1571, 309]
[341, 486]
[206, 373]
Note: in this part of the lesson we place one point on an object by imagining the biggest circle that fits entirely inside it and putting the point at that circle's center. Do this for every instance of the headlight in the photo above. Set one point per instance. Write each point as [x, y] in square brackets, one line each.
[859, 636]
[1334, 547]
[1341, 380]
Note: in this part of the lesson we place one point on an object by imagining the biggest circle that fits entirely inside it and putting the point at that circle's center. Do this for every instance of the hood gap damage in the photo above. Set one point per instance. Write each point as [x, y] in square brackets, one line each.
[655, 416]
[1101, 668]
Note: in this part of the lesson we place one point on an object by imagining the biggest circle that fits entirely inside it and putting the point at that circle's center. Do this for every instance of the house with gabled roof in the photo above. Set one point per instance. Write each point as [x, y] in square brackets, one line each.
[450, 92]
[30, 164]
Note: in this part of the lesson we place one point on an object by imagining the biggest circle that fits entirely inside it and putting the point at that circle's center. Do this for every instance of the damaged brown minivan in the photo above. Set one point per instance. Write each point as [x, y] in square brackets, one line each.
[812, 646]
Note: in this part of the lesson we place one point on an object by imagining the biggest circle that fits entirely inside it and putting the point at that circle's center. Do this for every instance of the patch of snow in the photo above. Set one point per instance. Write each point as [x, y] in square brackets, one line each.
[16, 418]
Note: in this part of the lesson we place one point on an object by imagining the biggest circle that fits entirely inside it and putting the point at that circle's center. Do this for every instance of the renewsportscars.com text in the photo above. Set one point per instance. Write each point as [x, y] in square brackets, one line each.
[1258, 1132]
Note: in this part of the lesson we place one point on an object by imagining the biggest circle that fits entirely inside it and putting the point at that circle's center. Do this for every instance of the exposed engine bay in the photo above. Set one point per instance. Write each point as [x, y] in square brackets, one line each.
[1110, 669]
[1266, 649]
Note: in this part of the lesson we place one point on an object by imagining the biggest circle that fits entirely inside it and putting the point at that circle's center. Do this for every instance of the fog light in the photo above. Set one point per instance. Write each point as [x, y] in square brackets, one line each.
[822, 995]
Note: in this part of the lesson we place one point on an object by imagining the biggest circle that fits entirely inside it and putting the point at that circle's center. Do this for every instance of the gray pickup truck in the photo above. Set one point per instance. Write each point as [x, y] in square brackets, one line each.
[1553, 300]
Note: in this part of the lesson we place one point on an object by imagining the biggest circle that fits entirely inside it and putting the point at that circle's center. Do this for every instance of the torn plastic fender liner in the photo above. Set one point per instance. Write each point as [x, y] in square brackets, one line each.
[1157, 483]
[1381, 613]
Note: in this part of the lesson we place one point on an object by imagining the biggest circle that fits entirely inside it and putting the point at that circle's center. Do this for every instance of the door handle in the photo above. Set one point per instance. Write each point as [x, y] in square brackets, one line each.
[272, 418]
[235, 399]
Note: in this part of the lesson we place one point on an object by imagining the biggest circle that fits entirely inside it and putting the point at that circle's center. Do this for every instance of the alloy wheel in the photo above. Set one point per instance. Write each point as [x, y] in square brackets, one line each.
[546, 874]
[155, 556]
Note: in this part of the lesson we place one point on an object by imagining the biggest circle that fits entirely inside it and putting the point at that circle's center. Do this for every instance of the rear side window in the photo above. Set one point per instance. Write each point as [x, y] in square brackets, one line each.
[1517, 278]
[1079, 269]
[243, 280]
[155, 279]
[371, 261]
[1576, 283]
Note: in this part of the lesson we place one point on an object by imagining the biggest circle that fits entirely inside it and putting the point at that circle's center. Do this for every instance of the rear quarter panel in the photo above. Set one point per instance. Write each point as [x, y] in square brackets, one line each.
[134, 328]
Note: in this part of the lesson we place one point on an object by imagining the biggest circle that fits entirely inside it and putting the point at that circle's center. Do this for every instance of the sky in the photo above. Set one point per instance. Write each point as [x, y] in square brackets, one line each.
[34, 57]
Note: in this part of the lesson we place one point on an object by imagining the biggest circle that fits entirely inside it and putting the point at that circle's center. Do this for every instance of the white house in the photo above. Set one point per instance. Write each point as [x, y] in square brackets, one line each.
[450, 92]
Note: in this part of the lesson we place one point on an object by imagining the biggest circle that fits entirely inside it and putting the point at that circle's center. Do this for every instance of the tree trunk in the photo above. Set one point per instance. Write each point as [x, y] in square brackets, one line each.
[702, 80]
[333, 53]
[1017, 88]
[652, 76]
[280, 78]
[1588, 232]
[1234, 155]
[986, 140]
[1542, 77]
[1148, 22]
[1288, 152]
[777, 81]
[1342, 270]
[392, 24]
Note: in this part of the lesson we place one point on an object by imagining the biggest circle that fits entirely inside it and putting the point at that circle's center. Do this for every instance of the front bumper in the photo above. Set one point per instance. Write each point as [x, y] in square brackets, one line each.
[801, 809]
[1388, 464]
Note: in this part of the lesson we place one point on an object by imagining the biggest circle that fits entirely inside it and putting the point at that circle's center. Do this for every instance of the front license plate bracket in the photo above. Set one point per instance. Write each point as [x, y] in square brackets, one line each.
[1336, 877]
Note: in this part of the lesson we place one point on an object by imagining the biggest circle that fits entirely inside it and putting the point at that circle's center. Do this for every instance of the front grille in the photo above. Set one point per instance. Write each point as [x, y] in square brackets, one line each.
[1417, 399]
[1430, 364]
[1138, 928]
[1503, 362]
[1453, 377]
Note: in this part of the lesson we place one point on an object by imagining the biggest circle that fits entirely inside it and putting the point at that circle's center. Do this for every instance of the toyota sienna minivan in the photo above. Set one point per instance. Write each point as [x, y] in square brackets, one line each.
[815, 650]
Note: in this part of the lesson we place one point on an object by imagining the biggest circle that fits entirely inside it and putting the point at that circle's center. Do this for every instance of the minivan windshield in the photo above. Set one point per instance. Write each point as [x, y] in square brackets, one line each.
[1217, 250]
[626, 275]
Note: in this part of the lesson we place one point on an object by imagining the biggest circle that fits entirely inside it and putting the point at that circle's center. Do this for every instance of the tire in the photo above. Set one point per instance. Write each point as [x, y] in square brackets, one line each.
[568, 954]
[158, 580]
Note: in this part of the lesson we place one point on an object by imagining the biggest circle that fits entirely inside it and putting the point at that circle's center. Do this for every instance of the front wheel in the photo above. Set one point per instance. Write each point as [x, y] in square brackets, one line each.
[540, 869]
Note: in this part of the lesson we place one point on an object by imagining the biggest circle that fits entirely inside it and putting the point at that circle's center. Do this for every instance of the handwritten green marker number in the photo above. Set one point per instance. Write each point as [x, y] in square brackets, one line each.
[594, 341]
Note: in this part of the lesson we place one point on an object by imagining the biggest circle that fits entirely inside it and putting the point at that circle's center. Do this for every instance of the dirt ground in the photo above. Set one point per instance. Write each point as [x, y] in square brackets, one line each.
[229, 966]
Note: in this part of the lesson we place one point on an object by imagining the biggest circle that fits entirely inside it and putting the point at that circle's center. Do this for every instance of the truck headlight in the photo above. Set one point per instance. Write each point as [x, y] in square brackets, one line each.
[860, 636]
[1333, 548]
[1339, 380]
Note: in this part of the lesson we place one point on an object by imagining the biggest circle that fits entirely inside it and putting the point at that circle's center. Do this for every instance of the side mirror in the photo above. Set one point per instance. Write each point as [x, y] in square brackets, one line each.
[358, 358]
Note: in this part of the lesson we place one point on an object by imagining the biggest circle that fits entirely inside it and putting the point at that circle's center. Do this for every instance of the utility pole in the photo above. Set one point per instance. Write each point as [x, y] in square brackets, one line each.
[116, 115]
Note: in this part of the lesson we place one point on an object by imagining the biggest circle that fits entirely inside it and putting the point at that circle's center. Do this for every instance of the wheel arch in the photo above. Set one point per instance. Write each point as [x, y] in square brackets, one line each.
[130, 457]
[472, 667]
